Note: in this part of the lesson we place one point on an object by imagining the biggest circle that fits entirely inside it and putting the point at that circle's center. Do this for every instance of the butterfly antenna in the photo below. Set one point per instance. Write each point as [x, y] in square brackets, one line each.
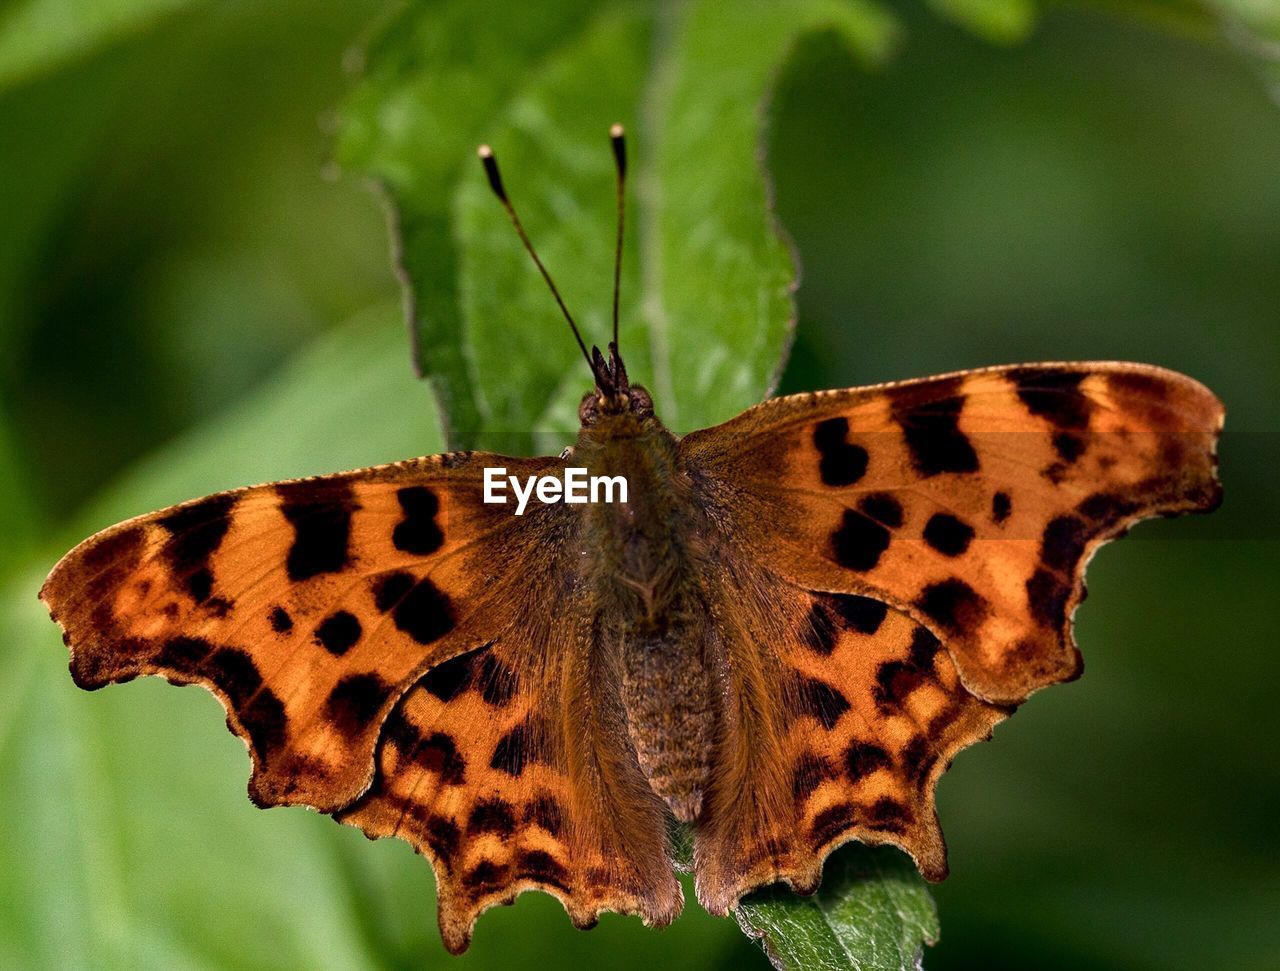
[495, 183]
[619, 140]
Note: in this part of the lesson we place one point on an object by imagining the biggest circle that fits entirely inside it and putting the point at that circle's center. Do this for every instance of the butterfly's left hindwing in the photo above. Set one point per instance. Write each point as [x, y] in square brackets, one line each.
[500, 767]
[307, 607]
[900, 568]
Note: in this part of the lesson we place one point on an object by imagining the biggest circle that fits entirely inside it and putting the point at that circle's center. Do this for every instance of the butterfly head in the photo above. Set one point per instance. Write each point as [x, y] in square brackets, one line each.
[614, 393]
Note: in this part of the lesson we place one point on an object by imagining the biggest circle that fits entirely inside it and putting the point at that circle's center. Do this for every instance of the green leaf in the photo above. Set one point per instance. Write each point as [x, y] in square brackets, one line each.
[349, 401]
[20, 516]
[873, 913]
[39, 35]
[1253, 26]
[999, 21]
[433, 83]
[707, 306]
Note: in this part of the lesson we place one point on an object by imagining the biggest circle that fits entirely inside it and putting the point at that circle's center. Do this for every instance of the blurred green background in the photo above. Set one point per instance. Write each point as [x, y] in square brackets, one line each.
[192, 297]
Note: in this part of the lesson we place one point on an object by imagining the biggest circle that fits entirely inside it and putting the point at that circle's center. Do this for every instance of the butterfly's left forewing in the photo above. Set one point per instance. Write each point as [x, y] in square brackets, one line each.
[307, 607]
[901, 567]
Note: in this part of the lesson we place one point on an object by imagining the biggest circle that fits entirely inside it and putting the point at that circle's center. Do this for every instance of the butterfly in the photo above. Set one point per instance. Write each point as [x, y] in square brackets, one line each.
[780, 639]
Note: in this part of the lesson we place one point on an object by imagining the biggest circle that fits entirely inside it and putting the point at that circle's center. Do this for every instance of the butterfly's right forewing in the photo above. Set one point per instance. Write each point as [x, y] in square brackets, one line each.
[970, 501]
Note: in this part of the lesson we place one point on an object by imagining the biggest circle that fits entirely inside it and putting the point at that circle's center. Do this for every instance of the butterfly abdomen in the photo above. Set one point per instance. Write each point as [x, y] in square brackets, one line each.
[667, 695]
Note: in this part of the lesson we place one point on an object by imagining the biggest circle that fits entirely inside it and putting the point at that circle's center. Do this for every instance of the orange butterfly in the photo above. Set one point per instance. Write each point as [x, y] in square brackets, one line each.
[782, 637]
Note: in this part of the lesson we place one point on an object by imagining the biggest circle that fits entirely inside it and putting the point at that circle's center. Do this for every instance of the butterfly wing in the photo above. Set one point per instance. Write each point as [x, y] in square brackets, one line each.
[844, 731]
[906, 561]
[306, 607]
[970, 501]
[391, 604]
[501, 768]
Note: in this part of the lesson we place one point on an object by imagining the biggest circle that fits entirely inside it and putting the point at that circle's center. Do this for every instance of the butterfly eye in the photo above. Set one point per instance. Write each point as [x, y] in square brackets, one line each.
[589, 409]
[641, 401]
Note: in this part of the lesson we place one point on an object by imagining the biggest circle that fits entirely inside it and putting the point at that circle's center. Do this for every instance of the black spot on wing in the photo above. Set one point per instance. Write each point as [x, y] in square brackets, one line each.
[924, 647]
[418, 607]
[832, 612]
[1001, 507]
[401, 732]
[886, 813]
[810, 772]
[389, 590]
[444, 838]
[1047, 597]
[863, 758]
[265, 720]
[821, 633]
[184, 655]
[821, 700]
[119, 551]
[235, 673]
[1139, 384]
[338, 633]
[450, 678]
[1054, 394]
[1062, 543]
[320, 512]
[931, 429]
[1104, 507]
[1068, 446]
[492, 816]
[195, 533]
[841, 462]
[518, 747]
[955, 605]
[831, 822]
[948, 534]
[859, 541]
[200, 584]
[355, 701]
[439, 753]
[498, 683]
[486, 875]
[861, 614]
[417, 532]
[917, 758]
[883, 508]
[544, 811]
[543, 867]
[280, 620]
[895, 680]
